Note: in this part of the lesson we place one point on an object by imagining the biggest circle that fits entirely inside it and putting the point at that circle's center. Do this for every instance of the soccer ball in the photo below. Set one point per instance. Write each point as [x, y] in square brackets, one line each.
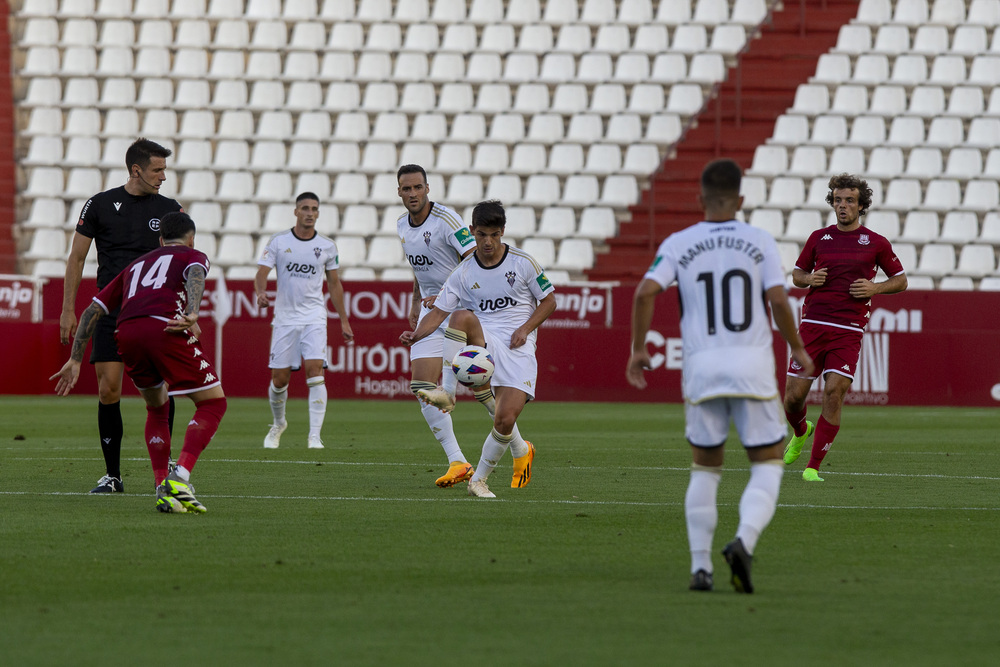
[473, 366]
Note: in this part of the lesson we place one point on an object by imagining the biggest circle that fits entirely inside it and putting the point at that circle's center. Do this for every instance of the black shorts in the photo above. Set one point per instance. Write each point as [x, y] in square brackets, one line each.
[104, 346]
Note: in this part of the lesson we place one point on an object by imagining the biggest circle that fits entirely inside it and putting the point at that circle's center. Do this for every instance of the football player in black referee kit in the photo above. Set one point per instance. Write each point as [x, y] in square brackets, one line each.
[125, 223]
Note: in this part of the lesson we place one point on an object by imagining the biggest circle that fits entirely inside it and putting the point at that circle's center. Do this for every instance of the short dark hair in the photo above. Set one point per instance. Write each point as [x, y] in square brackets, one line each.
[847, 181]
[411, 169]
[306, 195]
[142, 151]
[489, 213]
[176, 225]
[721, 178]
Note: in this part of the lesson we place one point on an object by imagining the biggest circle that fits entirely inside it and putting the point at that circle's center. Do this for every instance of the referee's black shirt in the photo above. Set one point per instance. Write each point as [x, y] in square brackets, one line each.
[124, 227]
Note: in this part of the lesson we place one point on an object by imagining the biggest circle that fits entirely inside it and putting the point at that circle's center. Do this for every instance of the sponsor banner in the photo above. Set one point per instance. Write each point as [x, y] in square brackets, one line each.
[20, 299]
[921, 348]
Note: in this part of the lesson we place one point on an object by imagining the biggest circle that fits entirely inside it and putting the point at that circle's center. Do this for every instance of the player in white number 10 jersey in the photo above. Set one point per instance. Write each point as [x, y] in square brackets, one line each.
[724, 271]
[497, 299]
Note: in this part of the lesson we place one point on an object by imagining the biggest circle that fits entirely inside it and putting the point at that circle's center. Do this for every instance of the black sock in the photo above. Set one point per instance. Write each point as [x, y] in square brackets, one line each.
[170, 417]
[109, 425]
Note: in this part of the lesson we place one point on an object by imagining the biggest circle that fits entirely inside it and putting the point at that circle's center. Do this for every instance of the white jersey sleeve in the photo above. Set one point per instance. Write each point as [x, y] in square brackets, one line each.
[722, 270]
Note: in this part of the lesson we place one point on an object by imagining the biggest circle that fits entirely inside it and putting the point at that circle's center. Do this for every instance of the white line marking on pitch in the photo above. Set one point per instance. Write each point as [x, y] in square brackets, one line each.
[570, 467]
[537, 502]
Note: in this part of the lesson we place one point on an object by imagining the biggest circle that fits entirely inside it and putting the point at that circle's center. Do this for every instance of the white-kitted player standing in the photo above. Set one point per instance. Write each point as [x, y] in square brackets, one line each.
[303, 259]
[724, 270]
[434, 241]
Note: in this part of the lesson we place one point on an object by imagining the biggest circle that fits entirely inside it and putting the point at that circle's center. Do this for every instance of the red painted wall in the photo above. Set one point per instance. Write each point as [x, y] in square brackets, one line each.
[922, 348]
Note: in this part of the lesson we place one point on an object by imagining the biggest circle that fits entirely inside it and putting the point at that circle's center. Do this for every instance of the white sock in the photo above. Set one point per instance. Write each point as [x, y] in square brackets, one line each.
[702, 515]
[485, 397]
[759, 500]
[277, 398]
[441, 426]
[454, 340]
[183, 473]
[317, 404]
[518, 447]
[493, 449]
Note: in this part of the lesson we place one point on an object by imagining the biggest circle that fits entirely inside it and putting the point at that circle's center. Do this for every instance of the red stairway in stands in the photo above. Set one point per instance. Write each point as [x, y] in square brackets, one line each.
[759, 89]
[8, 169]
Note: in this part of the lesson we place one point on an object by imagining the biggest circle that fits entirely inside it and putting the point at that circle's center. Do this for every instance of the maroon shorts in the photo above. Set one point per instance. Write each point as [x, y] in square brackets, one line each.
[153, 356]
[833, 350]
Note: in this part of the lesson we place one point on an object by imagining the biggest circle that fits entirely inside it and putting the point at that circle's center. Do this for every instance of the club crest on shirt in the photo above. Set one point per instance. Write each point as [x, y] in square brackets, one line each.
[864, 240]
[511, 277]
[317, 252]
[427, 238]
[154, 224]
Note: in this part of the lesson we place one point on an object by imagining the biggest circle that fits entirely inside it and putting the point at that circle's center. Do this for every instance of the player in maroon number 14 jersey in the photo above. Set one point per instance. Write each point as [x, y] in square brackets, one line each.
[837, 264]
[157, 297]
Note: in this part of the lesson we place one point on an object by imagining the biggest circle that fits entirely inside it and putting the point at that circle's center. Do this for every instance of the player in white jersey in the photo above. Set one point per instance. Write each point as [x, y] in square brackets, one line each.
[497, 298]
[303, 258]
[434, 241]
[724, 270]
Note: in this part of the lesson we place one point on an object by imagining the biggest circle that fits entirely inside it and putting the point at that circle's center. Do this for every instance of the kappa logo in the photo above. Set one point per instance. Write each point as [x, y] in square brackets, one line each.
[826, 237]
[197, 352]
[192, 340]
[156, 440]
[475, 285]
[846, 367]
[209, 377]
[203, 366]
[118, 206]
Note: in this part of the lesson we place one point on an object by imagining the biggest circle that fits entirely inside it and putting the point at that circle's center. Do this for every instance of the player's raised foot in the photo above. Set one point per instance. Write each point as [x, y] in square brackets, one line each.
[701, 581]
[522, 468]
[175, 488]
[273, 437]
[314, 442]
[479, 489]
[108, 484]
[437, 397]
[794, 446]
[811, 475]
[739, 562]
[458, 471]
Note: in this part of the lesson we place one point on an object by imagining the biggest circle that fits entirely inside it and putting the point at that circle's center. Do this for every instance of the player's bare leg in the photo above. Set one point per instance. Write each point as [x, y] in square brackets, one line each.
[316, 381]
[277, 395]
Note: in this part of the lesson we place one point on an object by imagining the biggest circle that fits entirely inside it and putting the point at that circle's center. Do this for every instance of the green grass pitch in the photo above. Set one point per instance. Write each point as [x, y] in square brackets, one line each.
[351, 555]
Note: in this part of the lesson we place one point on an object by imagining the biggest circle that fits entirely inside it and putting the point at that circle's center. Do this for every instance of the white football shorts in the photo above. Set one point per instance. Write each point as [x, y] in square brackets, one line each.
[432, 345]
[290, 344]
[514, 368]
[758, 422]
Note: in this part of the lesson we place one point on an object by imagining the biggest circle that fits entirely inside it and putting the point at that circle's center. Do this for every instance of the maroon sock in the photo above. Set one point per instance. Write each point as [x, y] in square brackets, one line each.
[204, 424]
[797, 420]
[158, 439]
[822, 441]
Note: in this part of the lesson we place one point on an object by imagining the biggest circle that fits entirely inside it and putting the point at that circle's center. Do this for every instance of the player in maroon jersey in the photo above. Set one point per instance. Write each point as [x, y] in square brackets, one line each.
[158, 296]
[837, 264]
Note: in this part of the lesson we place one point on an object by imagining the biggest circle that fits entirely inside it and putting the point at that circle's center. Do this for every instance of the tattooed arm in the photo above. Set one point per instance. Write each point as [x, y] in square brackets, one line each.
[70, 372]
[194, 286]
